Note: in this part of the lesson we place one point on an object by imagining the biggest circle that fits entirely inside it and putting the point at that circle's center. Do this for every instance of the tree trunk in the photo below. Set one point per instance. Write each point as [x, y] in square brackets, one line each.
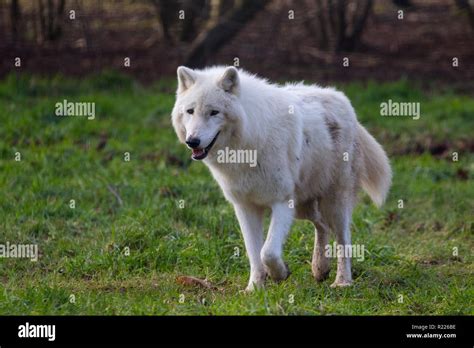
[15, 15]
[338, 24]
[165, 10]
[50, 19]
[465, 5]
[214, 37]
[188, 29]
[360, 18]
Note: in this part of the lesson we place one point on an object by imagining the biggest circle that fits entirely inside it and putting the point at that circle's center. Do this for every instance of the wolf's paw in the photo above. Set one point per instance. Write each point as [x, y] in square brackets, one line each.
[257, 281]
[280, 275]
[253, 286]
[278, 271]
[274, 265]
[320, 274]
[341, 283]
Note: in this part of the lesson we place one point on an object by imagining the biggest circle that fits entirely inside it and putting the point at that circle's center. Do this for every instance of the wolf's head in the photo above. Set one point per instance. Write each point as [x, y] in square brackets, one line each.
[207, 110]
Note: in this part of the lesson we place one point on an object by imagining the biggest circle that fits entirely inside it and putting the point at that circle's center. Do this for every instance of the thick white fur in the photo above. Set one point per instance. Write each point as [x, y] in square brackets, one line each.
[313, 156]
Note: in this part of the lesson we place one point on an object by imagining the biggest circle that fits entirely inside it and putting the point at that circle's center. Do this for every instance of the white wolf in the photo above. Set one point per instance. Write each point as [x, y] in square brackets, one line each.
[313, 156]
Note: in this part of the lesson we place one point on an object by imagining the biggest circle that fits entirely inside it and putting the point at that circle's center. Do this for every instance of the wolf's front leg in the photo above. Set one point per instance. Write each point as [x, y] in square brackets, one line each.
[271, 254]
[251, 223]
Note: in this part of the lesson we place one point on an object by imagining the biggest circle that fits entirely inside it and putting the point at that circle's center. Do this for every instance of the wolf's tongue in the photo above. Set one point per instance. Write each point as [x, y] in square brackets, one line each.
[198, 152]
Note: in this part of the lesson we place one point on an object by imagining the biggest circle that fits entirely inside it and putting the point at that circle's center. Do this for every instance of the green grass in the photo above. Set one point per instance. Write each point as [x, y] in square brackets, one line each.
[82, 250]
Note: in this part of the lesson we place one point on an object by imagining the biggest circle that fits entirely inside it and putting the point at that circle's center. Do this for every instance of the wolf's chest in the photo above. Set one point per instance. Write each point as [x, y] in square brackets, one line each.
[254, 185]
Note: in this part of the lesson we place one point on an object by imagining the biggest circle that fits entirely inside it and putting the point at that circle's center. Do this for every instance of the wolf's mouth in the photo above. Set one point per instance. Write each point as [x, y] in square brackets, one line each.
[199, 153]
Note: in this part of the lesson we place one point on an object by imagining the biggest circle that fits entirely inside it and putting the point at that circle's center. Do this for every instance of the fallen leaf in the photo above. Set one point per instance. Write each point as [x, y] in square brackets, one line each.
[193, 281]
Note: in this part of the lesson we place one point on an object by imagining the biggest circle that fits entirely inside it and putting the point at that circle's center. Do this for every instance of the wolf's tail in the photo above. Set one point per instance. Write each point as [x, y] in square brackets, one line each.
[376, 174]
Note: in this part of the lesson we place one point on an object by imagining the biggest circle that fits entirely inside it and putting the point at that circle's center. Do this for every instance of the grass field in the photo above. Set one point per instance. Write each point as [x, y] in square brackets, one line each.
[419, 258]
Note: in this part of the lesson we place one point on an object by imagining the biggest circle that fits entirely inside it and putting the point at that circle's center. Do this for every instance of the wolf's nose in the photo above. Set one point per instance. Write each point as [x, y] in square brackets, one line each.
[193, 142]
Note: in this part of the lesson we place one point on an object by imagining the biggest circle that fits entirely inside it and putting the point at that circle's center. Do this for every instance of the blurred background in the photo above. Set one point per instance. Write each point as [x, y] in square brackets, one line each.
[306, 38]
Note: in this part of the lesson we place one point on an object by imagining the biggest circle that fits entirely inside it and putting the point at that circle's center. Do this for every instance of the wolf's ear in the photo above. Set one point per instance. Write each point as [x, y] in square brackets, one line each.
[230, 80]
[186, 78]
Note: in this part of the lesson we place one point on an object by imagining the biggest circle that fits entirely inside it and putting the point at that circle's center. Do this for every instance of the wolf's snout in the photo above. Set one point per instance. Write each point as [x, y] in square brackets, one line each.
[193, 142]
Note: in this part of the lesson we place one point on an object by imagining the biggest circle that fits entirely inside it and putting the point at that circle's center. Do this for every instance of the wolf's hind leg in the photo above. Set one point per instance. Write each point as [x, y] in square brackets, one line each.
[271, 254]
[251, 223]
[340, 222]
[320, 264]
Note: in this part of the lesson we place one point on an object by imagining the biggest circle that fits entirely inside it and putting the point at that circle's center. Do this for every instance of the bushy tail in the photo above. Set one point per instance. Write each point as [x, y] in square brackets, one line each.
[376, 174]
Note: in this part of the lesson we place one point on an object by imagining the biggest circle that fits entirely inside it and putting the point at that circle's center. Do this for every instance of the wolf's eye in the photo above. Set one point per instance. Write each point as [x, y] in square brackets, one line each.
[214, 112]
[190, 111]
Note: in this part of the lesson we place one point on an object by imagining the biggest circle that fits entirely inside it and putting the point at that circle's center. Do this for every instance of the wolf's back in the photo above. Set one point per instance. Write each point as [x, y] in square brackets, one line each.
[376, 174]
